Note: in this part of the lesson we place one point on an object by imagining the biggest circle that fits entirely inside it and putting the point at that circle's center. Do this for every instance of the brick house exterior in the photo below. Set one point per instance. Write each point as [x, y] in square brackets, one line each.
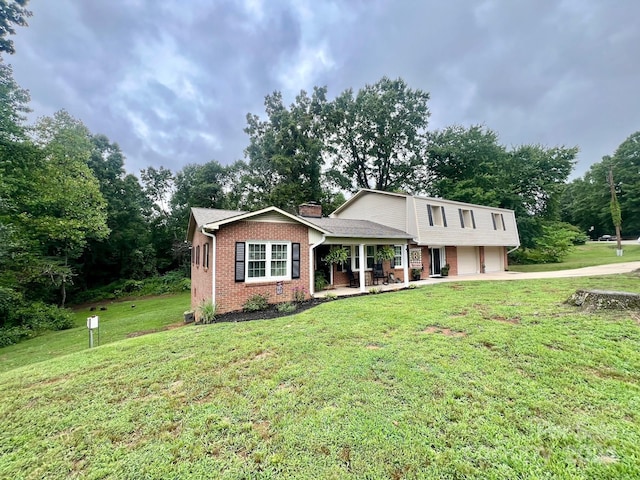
[237, 255]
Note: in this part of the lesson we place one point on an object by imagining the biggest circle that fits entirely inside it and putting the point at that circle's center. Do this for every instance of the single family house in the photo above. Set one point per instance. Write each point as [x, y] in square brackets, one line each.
[270, 252]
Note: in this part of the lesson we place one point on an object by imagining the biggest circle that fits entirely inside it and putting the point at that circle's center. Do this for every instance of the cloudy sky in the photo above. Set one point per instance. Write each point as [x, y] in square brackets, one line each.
[171, 81]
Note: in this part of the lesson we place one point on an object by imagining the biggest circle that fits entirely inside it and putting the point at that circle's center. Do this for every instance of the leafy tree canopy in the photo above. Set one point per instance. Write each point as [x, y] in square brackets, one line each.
[12, 12]
[377, 137]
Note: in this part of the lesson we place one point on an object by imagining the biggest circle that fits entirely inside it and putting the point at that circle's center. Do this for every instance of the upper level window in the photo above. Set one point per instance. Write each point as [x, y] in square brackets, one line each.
[198, 255]
[467, 219]
[437, 216]
[498, 221]
[268, 261]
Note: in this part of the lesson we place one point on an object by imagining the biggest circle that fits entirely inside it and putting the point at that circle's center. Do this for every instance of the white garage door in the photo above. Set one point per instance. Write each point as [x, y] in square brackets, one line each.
[467, 260]
[493, 259]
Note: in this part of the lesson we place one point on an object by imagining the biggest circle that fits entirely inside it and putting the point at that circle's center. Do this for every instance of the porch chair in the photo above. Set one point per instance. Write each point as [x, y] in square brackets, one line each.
[378, 273]
[353, 280]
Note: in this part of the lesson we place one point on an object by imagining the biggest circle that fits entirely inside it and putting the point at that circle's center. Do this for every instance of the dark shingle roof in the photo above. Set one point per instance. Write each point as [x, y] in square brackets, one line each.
[343, 227]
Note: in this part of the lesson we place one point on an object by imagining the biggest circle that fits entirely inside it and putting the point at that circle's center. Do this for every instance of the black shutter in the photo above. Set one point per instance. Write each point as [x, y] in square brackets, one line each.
[295, 260]
[461, 217]
[473, 219]
[430, 215]
[444, 217]
[240, 255]
[493, 217]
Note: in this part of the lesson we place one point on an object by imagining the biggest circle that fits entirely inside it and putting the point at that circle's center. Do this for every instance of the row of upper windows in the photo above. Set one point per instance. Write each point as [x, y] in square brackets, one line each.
[437, 217]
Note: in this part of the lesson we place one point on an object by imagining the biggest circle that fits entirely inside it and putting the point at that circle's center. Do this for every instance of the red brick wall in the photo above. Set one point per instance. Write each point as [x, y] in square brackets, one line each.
[452, 259]
[231, 296]
[201, 278]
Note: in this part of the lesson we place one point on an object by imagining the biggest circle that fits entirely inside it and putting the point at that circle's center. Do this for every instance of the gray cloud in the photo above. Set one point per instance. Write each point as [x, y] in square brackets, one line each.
[172, 81]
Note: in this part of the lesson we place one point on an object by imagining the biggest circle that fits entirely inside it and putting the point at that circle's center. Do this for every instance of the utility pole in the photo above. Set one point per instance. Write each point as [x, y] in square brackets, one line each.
[616, 214]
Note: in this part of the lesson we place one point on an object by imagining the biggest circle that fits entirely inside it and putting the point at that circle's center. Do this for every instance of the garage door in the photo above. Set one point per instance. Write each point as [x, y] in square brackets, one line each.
[467, 260]
[493, 259]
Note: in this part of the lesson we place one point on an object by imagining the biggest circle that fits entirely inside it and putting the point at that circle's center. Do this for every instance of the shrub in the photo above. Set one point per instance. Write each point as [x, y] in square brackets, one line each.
[207, 312]
[320, 281]
[375, 290]
[299, 294]
[256, 303]
[13, 335]
[331, 296]
[286, 307]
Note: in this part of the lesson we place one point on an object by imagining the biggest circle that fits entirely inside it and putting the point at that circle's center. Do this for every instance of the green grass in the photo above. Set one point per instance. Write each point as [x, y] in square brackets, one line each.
[117, 322]
[491, 380]
[589, 255]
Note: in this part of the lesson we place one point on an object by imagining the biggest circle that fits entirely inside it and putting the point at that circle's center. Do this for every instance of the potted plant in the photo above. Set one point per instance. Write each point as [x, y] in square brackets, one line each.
[416, 273]
[444, 271]
[336, 255]
[385, 253]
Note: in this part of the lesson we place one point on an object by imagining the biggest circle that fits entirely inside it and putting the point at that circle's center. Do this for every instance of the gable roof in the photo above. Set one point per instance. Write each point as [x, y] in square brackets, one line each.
[201, 216]
[364, 191]
[349, 228]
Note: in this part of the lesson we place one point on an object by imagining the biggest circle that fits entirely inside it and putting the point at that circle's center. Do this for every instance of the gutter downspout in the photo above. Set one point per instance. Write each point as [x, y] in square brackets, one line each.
[312, 283]
[213, 267]
[513, 249]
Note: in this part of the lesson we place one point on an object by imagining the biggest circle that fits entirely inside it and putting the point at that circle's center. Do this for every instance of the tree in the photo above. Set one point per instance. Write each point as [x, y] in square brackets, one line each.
[158, 185]
[465, 165]
[128, 251]
[377, 138]
[63, 208]
[587, 200]
[12, 12]
[285, 152]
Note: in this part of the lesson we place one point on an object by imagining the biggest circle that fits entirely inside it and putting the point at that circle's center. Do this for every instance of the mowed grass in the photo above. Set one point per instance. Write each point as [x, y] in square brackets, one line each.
[588, 255]
[458, 380]
[120, 320]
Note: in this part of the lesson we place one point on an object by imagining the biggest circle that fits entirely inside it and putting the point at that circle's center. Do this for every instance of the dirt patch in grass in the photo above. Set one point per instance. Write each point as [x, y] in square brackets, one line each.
[501, 319]
[444, 331]
[372, 346]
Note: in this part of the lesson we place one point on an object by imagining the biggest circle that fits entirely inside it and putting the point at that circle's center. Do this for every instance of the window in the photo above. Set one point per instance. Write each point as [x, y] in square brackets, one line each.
[467, 219]
[198, 255]
[268, 261]
[371, 255]
[498, 221]
[398, 257]
[437, 216]
[205, 255]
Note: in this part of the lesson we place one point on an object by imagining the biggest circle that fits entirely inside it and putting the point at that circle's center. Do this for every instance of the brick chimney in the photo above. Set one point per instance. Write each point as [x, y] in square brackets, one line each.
[310, 209]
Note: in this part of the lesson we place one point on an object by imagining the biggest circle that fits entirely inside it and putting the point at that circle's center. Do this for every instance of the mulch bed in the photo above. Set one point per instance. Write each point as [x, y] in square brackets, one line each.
[271, 312]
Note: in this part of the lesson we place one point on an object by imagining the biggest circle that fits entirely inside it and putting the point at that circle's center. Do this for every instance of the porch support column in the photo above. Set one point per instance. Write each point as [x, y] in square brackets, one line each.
[405, 267]
[363, 261]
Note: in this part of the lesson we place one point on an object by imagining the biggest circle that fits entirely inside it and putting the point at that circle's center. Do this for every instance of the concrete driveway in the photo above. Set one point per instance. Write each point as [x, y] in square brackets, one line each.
[609, 269]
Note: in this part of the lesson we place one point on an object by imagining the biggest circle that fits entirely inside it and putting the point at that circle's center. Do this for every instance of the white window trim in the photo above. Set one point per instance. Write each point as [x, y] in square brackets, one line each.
[402, 257]
[268, 277]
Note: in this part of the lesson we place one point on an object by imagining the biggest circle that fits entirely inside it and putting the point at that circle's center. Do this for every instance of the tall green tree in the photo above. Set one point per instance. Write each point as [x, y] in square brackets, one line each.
[128, 251]
[12, 13]
[586, 202]
[64, 208]
[285, 152]
[465, 164]
[376, 138]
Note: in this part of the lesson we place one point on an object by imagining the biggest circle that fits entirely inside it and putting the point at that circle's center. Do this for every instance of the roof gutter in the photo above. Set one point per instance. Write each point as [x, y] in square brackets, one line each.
[213, 266]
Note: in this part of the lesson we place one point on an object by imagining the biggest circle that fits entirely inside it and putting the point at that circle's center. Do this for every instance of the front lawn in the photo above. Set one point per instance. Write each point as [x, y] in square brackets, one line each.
[486, 380]
[589, 255]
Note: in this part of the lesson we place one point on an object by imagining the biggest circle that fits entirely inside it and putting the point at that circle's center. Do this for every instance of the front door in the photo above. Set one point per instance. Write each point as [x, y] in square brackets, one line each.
[436, 256]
